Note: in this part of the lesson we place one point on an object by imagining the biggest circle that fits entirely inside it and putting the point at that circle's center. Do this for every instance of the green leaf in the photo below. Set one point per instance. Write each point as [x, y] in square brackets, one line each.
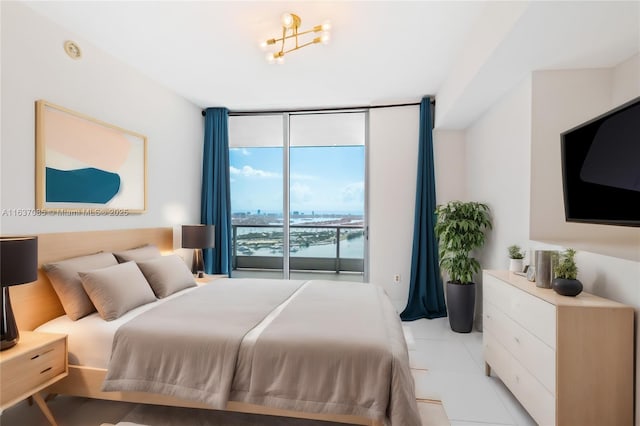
[460, 228]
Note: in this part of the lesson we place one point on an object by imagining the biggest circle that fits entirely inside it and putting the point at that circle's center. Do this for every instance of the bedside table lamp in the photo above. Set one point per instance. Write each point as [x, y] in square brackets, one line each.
[18, 265]
[198, 237]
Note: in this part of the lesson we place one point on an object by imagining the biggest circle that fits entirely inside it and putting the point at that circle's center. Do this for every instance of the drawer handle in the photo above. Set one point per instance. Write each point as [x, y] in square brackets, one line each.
[43, 353]
[45, 370]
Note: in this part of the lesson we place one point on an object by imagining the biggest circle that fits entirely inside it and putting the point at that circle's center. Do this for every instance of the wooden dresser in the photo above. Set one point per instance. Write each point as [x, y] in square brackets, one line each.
[568, 360]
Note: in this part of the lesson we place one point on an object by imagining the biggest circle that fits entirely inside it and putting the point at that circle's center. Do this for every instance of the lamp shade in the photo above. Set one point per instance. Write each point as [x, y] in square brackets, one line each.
[18, 260]
[198, 236]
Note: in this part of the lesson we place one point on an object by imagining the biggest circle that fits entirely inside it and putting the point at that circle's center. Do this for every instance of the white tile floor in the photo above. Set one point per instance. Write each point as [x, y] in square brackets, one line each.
[449, 367]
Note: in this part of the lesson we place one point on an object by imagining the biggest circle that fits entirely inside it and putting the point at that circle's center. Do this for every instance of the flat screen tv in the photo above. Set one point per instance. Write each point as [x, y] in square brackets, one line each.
[601, 168]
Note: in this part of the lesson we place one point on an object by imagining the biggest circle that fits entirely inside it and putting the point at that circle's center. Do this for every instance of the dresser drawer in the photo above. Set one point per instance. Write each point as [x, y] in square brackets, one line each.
[532, 313]
[496, 292]
[534, 355]
[21, 375]
[534, 397]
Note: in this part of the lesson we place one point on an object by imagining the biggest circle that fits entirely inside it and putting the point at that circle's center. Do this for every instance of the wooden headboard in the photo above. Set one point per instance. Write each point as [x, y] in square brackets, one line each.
[36, 303]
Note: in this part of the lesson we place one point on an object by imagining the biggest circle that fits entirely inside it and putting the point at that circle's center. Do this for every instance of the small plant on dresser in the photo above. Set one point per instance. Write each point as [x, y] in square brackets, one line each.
[515, 258]
[566, 274]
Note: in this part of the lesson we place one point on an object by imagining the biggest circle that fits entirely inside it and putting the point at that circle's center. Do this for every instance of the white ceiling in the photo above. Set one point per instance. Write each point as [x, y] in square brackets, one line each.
[380, 51]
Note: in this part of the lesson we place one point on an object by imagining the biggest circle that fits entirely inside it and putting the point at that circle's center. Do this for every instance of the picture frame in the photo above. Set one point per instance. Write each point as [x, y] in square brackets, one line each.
[86, 165]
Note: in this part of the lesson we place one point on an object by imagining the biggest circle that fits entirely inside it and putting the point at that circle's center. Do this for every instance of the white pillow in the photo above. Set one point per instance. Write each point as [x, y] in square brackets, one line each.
[116, 290]
[146, 252]
[68, 286]
[167, 274]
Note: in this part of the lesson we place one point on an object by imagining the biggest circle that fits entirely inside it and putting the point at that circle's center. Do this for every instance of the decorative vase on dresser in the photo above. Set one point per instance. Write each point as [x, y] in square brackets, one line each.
[566, 287]
[515, 265]
[568, 360]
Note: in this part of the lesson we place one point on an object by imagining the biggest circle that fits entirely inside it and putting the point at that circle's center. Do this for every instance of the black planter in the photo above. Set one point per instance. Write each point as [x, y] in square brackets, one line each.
[461, 303]
[566, 287]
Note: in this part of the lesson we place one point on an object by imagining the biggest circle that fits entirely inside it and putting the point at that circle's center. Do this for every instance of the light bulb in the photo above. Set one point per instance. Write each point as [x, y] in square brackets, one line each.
[280, 60]
[270, 57]
[326, 26]
[325, 38]
[263, 45]
[287, 20]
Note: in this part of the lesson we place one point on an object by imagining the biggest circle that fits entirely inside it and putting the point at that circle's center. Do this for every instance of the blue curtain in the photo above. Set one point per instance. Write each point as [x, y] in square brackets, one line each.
[426, 296]
[216, 201]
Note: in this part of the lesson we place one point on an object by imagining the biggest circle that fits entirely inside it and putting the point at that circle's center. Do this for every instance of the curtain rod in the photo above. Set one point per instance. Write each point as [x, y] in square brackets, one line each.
[280, 111]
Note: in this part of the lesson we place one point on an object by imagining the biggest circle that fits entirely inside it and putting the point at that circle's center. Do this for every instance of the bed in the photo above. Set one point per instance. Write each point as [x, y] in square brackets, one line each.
[347, 349]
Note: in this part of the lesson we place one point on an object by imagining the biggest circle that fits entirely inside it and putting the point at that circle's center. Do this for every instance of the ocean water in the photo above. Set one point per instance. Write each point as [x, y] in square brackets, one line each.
[349, 248]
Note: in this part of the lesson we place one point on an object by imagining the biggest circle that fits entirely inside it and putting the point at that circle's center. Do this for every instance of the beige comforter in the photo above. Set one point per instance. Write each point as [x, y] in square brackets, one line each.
[316, 346]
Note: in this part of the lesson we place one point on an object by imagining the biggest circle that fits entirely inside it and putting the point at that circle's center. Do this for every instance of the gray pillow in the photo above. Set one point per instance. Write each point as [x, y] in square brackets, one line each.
[167, 274]
[138, 254]
[116, 290]
[68, 286]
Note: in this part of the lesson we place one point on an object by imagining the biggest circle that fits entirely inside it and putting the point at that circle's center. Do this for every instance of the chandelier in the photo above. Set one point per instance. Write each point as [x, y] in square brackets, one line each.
[291, 32]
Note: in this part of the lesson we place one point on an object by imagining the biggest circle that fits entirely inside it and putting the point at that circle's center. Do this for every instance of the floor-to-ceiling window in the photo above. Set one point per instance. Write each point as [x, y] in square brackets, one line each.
[298, 195]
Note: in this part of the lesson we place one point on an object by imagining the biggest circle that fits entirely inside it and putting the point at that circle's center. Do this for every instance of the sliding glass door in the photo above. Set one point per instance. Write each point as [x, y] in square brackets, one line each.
[256, 146]
[298, 195]
[327, 195]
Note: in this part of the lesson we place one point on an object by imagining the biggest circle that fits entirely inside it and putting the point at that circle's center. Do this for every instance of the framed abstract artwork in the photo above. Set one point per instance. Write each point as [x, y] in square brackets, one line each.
[83, 164]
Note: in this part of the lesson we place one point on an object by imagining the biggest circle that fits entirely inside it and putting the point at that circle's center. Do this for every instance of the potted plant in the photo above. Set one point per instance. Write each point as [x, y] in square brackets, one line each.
[460, 229]
[515, 256]
[566, 273]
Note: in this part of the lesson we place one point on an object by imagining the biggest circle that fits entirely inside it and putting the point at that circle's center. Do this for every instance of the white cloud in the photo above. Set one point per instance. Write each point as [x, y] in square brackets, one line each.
[243, 151]
[353, 192]
[248, 171]
[298, 176]
[300, 193]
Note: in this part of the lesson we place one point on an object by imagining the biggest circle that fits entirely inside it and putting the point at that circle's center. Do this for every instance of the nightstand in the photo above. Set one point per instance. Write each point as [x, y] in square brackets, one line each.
[208, 278]
[36, 362]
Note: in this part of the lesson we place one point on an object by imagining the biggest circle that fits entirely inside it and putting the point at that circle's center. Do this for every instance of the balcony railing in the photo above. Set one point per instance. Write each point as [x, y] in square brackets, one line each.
[268, 242]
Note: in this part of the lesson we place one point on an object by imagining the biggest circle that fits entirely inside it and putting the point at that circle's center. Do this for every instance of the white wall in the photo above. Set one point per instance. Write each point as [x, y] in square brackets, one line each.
[393, 160]
[498, 172]
[625, 84]
[35, 66]
[497, 165]
[449, 157]
[557, 100]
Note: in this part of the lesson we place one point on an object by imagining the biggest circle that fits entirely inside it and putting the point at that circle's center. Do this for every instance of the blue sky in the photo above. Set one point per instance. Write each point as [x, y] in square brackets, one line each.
[323, 179]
